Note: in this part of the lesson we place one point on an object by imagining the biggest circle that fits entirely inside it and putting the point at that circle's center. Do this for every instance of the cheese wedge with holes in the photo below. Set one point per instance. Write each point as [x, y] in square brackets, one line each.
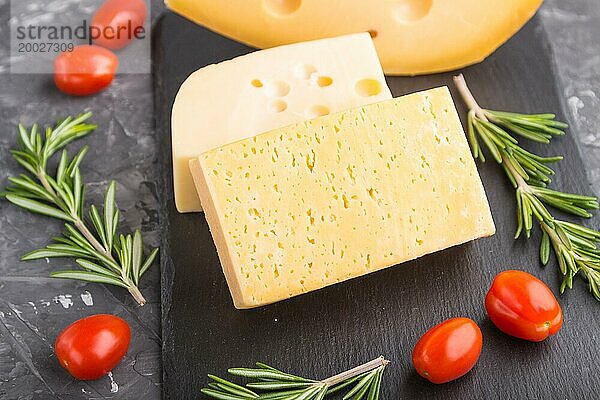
[411, 36]
[342, 195]
[268, 89]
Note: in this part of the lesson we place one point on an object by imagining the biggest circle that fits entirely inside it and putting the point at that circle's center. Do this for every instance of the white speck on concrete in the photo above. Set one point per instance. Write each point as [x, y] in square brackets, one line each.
[114, 387]
[47, 260]
[45, 303]
[87, 299]
[575, 104]
[64, 300]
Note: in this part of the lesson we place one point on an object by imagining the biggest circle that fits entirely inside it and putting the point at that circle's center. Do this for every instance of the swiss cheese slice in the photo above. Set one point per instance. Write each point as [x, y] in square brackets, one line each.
[411, 36]
[268, 89]
[339, 196]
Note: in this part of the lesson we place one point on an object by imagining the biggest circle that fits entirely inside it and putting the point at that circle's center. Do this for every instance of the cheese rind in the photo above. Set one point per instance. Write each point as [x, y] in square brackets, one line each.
[340, 196]
[268, 89]
[411, 36]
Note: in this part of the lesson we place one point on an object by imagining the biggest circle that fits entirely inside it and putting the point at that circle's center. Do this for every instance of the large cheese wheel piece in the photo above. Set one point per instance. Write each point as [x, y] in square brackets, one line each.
[339, 196]
[268, 89]
[411, 36]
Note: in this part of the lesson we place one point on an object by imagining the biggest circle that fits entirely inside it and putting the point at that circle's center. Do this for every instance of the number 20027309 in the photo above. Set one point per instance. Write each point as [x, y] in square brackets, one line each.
[44, 47]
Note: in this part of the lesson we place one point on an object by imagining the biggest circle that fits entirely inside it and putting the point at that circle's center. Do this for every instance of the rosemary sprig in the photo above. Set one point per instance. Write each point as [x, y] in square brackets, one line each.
[62, 196]
[269, 383]
[575, 246]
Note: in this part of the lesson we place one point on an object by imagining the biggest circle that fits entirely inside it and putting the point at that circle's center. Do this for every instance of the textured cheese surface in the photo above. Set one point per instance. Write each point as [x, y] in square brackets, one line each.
[411, 36]
[336, 197]
[268, 89]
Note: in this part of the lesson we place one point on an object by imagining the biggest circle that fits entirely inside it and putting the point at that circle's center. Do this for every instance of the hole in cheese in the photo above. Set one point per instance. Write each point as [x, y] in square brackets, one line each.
[316, 111]
[304, 71]
[407, 11]
[282, 7]
[368, 87]
[323, 81]
[277, 88]
[277, 106]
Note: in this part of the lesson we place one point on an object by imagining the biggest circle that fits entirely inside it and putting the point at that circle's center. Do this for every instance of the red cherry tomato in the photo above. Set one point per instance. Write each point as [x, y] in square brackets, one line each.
[521, 305]
[85, 70]
[448, 350]
[93, 346]
[117, 22]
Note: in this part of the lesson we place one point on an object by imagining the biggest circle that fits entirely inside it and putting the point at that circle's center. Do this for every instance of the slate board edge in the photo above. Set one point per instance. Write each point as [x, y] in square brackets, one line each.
[167, 270]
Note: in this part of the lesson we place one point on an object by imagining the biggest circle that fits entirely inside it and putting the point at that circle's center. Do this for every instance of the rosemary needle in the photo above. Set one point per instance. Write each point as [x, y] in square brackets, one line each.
[103, 256]
[575, 246]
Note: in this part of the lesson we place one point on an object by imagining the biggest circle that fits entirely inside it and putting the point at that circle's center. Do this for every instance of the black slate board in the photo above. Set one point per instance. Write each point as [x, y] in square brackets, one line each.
[323, 332]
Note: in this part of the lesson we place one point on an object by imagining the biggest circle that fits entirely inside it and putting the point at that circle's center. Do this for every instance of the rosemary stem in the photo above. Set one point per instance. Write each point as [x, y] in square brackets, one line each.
[469, 99]
[555, 238]
[80, 225]
[133, 289]
[520, 181]
[41, 175]
[135, 292]
[551, 232]
[361, 369]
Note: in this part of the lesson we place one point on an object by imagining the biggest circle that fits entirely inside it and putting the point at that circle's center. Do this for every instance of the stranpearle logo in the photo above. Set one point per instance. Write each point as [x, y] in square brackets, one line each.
[40, 31]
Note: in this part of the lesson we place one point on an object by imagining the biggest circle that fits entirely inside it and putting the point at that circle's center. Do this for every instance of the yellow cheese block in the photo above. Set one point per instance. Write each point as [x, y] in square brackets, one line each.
[411, 36]
[268, 89]
[339, 196]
